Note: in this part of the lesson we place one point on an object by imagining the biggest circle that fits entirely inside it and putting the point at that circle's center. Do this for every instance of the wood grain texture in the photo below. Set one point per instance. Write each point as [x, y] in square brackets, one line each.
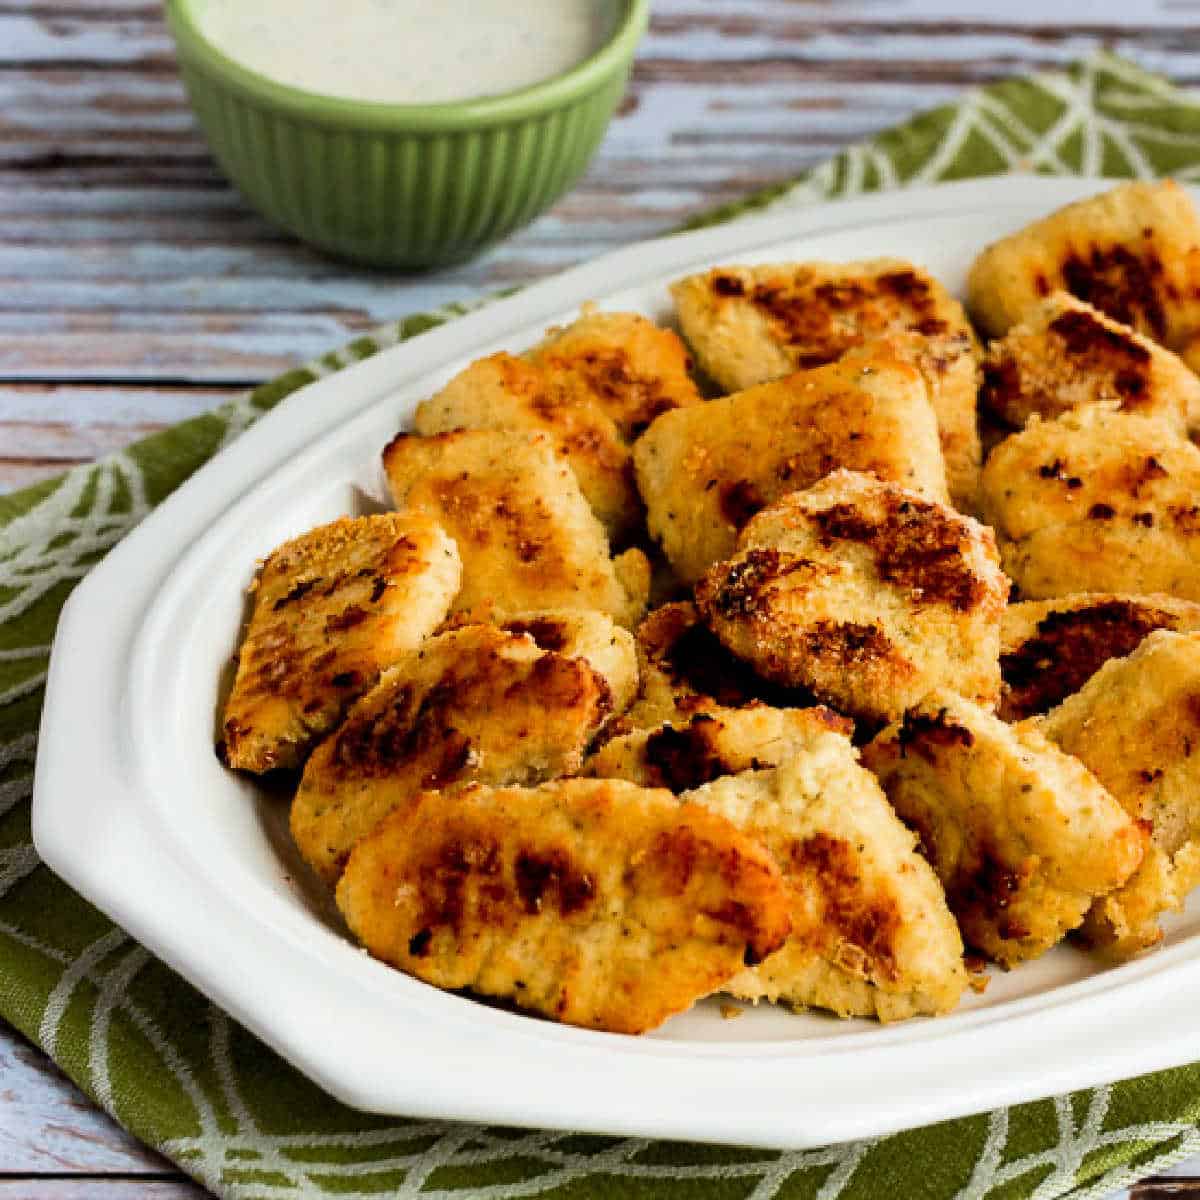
[136, 289]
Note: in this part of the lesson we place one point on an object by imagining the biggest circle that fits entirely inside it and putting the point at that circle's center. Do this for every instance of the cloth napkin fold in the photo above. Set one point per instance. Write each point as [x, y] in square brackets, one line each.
[181, 1076]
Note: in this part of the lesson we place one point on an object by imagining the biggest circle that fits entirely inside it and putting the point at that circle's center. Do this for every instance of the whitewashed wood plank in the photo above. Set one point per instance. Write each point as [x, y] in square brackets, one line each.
[50, 1127]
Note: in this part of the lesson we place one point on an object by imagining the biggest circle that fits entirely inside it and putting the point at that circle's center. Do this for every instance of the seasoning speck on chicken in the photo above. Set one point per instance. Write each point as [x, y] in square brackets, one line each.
[1096, 500]
[865, 593]
[1022, 836]
[704, 472]
[1050, 648]
[1132, 252]
[1136, 726]
[527, 537]
[871, 933]
[594, 902]
[474, 704]
[331, 609]
[751, 325]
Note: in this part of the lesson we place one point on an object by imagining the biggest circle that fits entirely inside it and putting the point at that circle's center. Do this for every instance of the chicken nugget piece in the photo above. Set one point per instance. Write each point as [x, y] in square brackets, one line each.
[594, 902]
[474, 704]
[752, 325]
[684, 669]
[332, 608]
[704, 472]
[1132, 252]
[864, 592]
[871, 933]
[527, 537]
[1136, 726]
[577, 633]
[1022, 836]
[719, 742]
[508, 393]
[1096, 500]
[1050, 648]
[632, 369]
[1065, 354]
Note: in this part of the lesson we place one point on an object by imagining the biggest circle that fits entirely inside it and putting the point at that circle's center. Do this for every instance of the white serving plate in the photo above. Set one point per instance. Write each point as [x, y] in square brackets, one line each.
[132, 808]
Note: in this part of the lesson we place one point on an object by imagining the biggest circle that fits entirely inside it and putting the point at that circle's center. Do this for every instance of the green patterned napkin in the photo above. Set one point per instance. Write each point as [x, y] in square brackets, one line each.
[180, 1075]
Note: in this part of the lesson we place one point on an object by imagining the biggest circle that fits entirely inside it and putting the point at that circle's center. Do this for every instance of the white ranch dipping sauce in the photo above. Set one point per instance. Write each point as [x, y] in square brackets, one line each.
[407, 51]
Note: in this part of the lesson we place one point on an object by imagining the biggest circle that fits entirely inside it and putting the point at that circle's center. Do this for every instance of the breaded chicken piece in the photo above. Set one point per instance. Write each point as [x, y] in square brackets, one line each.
[1050, 648]
[704, 472]
[751, 325]
[864, 592]
[527, 537]
[685, 670]
[1096, 500]
[594, 902]
[332, 608]
[689, 754]
[475, 704]
[593, 387]
[1022, 836]
[1136, 726]
[1065, 354]
[871, 933]
[631, 368]
[508, 393]
[1132, 252]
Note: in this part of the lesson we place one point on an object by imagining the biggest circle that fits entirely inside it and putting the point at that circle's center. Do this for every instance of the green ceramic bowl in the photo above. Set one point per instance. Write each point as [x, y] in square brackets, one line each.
[402, 184]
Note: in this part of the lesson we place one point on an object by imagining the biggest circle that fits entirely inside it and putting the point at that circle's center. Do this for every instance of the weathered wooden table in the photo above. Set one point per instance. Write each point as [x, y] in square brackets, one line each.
[137, 289]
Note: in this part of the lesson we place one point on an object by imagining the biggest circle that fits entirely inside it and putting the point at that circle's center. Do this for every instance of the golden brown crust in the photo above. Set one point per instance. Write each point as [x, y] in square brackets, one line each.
[474, 704]
[1136, 725]
[865, 593]
[526, 535]
[687, 754]
[752, 325]
[871, 934]
[1066, 353]
[684, 670]
[332, 608]
[1132, 252]
[704, 472]
[1021, 835]
[1096, 500]
[594, 902]
[1050, 648]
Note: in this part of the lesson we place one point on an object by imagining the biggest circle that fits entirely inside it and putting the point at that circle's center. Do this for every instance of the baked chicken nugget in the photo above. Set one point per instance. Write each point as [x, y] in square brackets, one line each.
[705, 471]
[1065, 353]
[593, 386]
[1051, 648]
[691, 753]
[685, 670]
[473, 704]
[1096, 500]
[1022, 836]
[1132, 252]
[865, 593]
[751, 325]
[871, 933]
[527, 537]
[332, 608]
[594, 902]
[1136, 725]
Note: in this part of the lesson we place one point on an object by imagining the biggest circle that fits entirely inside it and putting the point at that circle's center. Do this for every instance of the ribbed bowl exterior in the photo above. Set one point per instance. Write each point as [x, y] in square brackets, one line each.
[398, 199]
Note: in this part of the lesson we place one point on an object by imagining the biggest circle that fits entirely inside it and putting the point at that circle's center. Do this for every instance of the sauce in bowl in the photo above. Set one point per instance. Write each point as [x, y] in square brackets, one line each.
[407, 51]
